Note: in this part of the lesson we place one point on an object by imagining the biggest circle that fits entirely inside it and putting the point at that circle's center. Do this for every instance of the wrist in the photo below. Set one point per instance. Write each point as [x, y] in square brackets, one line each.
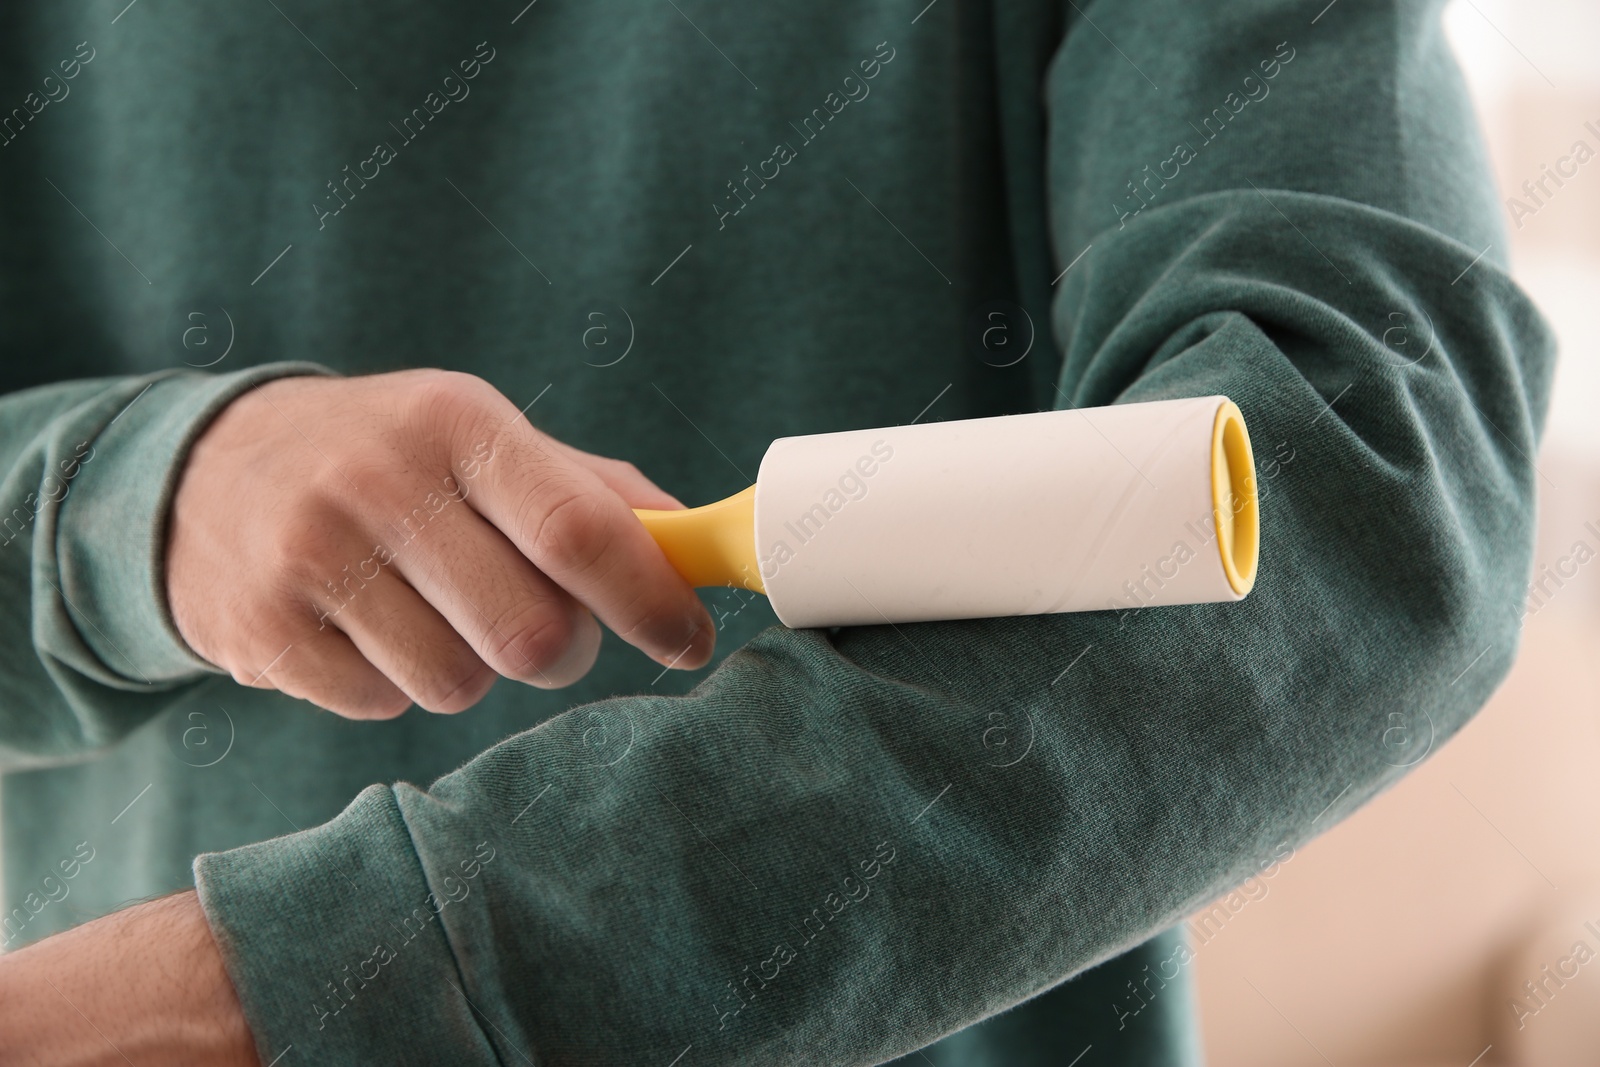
[107, 548]
[146, 984]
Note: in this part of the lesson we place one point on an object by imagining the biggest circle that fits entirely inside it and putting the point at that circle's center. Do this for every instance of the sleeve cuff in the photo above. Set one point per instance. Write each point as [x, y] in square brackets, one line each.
[111, 537]
[336, 946]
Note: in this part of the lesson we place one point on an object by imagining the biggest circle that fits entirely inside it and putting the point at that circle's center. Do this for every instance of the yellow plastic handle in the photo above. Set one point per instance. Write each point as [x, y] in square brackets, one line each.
[714, 544]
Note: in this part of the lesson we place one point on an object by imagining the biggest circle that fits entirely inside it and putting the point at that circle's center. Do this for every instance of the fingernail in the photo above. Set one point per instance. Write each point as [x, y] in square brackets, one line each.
[696, 651]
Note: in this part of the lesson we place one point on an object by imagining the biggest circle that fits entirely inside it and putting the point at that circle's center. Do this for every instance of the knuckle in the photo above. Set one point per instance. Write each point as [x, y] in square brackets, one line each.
[439, 673]
[377, 706]
[370, 479]
[450, 691]
[446, 388]
[525, 647]
[303, 544]
[276, 654]
[363, 694]
[573, 535]
[645, 616]
[444, 403]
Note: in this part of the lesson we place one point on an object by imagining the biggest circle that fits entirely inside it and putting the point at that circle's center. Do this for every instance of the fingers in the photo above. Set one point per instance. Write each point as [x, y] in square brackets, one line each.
[371, 650]
[570, 524]
[411, 644]
[586, 538]
[515, 619]
[324, 668]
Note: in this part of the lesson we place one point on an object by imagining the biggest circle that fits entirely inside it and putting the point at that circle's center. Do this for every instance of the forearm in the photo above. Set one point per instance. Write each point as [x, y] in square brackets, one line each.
[143, 985]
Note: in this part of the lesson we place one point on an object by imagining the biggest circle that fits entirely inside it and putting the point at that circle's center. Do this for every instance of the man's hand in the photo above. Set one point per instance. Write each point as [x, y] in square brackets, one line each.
[366, 543]
[144, 985]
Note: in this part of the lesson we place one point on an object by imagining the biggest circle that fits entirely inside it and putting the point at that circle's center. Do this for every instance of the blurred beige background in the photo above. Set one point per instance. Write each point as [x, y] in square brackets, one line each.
[1402, 937]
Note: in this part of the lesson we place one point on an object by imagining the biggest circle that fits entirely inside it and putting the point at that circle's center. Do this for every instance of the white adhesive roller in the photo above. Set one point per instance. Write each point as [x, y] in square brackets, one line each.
[1112, 508]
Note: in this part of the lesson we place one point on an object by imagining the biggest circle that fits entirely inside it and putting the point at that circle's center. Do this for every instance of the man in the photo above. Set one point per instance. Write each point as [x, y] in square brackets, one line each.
[667, 235]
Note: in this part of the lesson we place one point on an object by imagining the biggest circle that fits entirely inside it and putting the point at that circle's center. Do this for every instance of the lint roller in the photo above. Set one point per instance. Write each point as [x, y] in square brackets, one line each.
[1086, 509]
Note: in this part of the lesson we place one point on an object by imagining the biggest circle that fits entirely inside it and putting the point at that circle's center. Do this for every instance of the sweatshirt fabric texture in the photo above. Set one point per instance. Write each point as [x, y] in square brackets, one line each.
[676, 232]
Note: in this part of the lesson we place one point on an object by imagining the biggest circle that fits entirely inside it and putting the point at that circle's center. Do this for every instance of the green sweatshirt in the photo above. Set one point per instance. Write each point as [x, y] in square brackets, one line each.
[677, 231]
